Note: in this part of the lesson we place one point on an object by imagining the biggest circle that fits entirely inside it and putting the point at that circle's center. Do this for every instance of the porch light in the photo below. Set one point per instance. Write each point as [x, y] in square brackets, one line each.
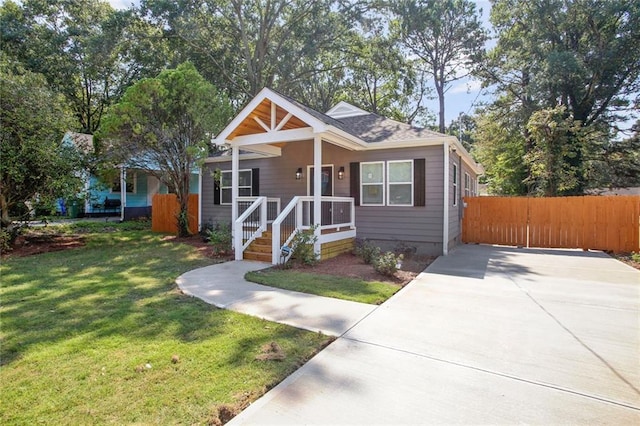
[299, 173]
[341, 173]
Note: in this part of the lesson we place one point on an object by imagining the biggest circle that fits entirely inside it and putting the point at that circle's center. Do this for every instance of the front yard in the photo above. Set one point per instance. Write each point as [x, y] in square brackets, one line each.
[100, 334]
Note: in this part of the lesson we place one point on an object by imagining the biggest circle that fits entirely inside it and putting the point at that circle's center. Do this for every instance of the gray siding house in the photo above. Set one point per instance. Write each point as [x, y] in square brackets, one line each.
[346, 174]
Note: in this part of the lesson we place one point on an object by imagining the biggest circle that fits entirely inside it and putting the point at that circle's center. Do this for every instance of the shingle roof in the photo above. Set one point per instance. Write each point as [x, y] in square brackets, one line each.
[374, 128]
[370, 128]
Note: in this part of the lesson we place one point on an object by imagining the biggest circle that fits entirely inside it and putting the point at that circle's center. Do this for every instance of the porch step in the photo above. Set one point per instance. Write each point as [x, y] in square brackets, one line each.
[260, 248]
[262, 257]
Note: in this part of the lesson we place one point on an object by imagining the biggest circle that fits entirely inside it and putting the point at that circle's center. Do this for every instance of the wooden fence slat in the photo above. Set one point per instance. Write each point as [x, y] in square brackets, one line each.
[589, 222]
[164, 211]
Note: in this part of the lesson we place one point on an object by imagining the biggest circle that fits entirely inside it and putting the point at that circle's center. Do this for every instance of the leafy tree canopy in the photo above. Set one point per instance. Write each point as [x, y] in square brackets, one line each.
[35, 167]
[165, 125]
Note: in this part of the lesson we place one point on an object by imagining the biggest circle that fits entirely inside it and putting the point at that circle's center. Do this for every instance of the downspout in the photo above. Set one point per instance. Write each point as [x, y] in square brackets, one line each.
[445, 210]
[123, 191]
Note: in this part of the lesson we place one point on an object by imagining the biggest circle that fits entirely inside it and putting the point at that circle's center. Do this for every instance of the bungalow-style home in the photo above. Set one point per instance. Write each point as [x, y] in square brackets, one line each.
[345, 174]
[130, 193]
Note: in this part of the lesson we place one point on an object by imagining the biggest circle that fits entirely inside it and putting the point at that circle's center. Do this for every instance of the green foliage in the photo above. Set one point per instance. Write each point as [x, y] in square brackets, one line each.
[36, 165]
[635, 257]
[89, 318]
[302, 247]
[556, 140]
[81, 47]
[583, 55]
[219, 237]
[6, 241]
[164, 125]
[367, 251]
[388, 263]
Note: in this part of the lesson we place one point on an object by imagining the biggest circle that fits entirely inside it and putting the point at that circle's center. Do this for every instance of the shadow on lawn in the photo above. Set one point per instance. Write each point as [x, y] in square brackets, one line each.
[117, 287]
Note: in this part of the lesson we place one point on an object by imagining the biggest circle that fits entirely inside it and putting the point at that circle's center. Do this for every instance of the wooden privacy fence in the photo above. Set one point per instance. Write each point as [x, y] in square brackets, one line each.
[589, 222]
[164, 211]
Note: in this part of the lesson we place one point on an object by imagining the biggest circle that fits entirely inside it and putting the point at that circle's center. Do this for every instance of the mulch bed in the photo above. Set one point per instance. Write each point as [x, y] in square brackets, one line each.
[29, 245]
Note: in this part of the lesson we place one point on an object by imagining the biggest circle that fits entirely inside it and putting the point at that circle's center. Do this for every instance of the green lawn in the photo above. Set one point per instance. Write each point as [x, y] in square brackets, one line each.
[79, 327]
[354, 289]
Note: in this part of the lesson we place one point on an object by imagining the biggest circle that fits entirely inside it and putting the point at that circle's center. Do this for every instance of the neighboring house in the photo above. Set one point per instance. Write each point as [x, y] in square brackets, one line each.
[361, 174]
[130, 194]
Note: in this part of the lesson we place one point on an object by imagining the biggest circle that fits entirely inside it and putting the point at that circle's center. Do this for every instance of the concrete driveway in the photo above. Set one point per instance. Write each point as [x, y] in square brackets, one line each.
[486, 335]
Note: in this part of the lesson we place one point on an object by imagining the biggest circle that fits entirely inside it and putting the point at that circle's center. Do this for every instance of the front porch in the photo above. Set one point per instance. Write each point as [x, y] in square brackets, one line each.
[263, 232]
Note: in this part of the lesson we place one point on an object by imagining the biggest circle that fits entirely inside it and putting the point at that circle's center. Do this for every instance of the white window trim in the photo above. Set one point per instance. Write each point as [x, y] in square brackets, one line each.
[134, 177]
[239, 187]
[389, 183]
[467, 185]
[362, 184]
[455, 184]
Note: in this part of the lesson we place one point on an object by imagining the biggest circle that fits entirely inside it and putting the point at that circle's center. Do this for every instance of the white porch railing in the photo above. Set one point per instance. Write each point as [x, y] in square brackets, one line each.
[273, 206]
[336, 213]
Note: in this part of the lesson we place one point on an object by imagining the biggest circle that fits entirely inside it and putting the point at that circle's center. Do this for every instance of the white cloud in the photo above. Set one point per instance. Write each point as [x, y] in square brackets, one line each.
[470, 86]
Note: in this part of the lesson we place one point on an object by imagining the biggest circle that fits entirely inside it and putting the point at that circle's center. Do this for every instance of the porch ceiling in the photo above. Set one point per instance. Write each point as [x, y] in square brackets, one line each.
[267, 116]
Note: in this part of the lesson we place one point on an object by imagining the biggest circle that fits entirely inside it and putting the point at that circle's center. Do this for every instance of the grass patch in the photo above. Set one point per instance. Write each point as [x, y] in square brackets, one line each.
[100, 334]
[354, 289]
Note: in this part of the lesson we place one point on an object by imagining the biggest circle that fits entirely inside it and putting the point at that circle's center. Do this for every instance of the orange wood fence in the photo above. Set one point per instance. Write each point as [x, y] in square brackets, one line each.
[590, 222]
[164, 212]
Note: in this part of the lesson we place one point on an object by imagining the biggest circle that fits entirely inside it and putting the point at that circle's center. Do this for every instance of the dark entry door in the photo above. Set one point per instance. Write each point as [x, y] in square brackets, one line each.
[327, 191]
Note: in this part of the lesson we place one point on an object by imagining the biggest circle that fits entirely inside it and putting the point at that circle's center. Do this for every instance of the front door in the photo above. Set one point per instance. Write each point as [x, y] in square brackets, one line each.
[327, 191]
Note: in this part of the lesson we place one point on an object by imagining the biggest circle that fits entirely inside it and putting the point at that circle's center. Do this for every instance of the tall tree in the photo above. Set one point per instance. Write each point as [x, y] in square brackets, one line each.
[582, 55]
[381, 80]
[445, 35]
[83, 48]
[164, 125]
[36, 166]
[245, 45]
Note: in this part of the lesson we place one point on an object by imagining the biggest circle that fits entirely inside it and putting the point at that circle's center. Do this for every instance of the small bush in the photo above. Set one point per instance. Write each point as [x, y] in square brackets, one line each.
[220, 238]
[388, 263]
[367, 251]
[5, 241]
[205, 228]
[635, 257]
[302, 246]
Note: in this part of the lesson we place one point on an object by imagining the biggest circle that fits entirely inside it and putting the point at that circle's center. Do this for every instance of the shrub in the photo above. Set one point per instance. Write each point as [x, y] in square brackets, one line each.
[5, 241]
[205, 228]
[635, 257]
[367, 251]
[388, 263]
[302, 246]
[220, 238]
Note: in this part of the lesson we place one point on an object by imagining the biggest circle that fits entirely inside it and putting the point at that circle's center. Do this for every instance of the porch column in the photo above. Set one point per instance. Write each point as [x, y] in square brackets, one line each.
[235, 165]
[123, 191]
[317, 190]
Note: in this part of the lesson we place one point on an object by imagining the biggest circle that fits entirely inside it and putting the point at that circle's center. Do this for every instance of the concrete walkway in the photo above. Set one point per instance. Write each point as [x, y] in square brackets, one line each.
[224, 286]
[486, 335]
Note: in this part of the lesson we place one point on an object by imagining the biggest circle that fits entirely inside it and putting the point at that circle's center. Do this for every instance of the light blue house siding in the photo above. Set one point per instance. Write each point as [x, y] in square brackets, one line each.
[139, 197]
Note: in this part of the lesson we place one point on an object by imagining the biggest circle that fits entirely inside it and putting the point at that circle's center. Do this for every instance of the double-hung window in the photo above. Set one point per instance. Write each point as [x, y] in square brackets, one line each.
[400, 183]
[244, 185]
[372, 187]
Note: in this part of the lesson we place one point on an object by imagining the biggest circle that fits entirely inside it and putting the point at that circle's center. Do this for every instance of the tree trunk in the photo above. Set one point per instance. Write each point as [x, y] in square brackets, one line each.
[4, 207]
[440, 91]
